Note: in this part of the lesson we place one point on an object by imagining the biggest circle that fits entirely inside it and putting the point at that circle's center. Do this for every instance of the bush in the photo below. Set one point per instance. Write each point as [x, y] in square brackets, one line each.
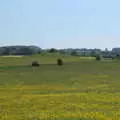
[35, 64]
[59, 62]
[98, 57]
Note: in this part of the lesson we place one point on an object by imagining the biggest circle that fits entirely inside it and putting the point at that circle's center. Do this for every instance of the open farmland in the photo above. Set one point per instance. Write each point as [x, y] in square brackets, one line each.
[81, 89]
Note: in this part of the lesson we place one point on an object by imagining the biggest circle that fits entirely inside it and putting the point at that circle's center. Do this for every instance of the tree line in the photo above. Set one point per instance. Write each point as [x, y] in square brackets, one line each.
[30, 50]
[19, 50]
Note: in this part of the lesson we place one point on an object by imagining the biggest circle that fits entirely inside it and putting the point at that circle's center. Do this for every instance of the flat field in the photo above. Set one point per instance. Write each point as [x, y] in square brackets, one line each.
[81, 89]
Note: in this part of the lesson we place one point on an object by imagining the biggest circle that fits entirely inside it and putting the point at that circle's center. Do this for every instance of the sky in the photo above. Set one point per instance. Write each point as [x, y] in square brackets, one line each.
[60, 23]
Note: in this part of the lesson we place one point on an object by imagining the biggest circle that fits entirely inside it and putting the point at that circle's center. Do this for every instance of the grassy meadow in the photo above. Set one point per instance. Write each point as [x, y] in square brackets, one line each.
[81, 89]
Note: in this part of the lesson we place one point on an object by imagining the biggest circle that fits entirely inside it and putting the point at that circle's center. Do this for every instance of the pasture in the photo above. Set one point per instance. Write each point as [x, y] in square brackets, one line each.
[81, 89]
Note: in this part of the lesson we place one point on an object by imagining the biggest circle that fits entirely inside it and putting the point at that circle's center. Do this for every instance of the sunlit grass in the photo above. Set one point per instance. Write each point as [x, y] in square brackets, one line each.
[82, 89]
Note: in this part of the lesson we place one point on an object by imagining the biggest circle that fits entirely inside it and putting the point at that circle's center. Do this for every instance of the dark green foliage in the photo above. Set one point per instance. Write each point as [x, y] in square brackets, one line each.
[52, 50]
[60, 62]
[74, 53]
[117, 57]
[98, 57]
[35, 64]
[19, 50]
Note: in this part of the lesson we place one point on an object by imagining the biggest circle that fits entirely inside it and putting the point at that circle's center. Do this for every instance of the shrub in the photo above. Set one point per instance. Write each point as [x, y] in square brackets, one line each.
[98, 57]
[35, 64]
[59, 62]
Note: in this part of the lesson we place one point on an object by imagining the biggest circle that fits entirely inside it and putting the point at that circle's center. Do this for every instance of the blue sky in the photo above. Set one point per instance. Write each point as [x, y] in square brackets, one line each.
[60, 23]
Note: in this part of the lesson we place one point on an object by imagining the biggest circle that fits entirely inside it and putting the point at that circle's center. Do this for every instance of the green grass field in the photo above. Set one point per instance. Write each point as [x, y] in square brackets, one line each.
[81, 89]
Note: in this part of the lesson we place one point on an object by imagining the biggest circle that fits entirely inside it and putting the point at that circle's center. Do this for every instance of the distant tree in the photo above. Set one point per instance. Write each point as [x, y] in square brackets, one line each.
[74, 53]
[62, 51]
[117, 56]
[93, 54]
[98, 57]
[52, 50]
[60, 62]
[19, 50]
[6, 51]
